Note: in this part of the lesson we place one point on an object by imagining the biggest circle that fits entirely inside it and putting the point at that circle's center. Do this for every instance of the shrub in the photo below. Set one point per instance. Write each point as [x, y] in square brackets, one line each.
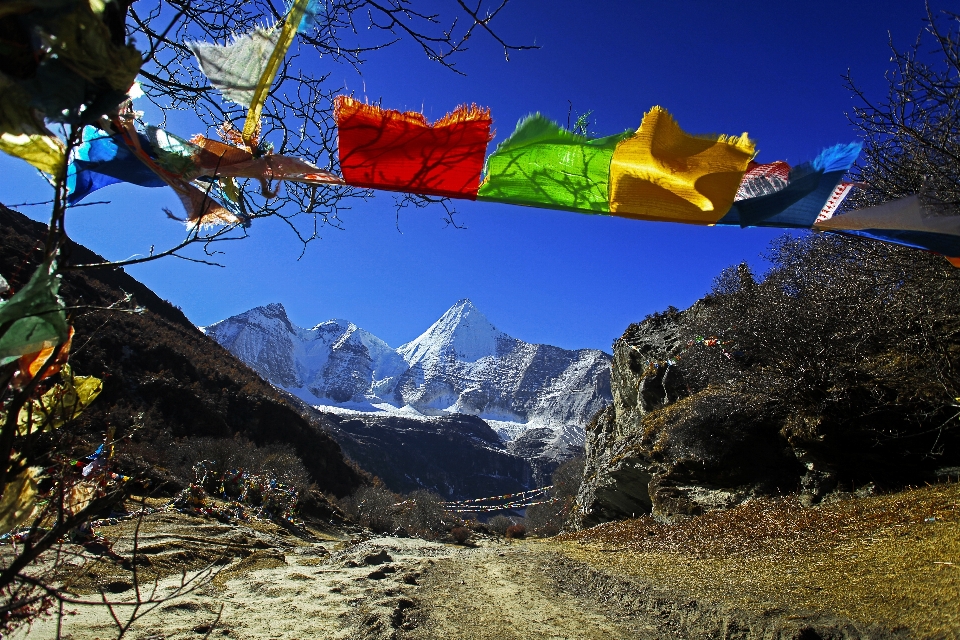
[549, 519]
[516, 531]
[278, 461]
[421, 514]
[545, 519]
[373, 507]
[499, 524]
[460, 534]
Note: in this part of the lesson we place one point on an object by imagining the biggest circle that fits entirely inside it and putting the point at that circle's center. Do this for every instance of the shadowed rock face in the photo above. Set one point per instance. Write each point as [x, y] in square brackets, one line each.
[659, 449]
[679, 450]
[458, 457]
[545, 451]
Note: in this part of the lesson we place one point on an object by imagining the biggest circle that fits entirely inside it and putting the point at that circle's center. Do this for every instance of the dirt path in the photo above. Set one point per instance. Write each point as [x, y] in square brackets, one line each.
[509, 591]
[265, 583]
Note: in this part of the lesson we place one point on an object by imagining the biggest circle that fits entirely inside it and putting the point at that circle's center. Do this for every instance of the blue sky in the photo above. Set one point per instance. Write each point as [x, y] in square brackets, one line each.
[771, 69]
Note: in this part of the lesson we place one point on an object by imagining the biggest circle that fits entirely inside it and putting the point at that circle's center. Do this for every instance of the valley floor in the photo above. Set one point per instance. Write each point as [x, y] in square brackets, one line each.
[878, 567]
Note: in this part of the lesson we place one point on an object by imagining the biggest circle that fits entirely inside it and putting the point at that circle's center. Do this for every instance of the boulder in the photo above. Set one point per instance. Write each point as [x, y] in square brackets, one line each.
[666, 449]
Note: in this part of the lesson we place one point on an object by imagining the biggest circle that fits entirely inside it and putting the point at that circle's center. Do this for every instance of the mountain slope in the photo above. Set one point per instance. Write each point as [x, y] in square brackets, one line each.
[458, 457]
[163, 379]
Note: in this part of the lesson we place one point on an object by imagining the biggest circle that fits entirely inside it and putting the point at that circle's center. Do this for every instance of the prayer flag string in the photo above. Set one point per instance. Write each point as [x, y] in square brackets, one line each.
[658, 172]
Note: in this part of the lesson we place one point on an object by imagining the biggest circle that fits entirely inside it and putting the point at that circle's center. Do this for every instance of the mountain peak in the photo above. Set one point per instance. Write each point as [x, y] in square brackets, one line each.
[268, 315]
[461, 364]
[463, 303]
[274, 310]
[462, 331]
[460, 313]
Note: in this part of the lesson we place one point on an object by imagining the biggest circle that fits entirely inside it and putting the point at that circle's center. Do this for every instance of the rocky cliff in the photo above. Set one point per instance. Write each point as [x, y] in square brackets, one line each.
[458, 457]
[796, 384]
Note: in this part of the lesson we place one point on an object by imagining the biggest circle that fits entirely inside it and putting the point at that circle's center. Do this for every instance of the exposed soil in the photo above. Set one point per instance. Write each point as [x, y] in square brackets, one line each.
[888, 568]
[512, 592]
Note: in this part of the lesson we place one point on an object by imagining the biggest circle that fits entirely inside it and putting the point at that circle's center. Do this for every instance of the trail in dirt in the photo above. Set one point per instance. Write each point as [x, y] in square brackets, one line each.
[508, 592]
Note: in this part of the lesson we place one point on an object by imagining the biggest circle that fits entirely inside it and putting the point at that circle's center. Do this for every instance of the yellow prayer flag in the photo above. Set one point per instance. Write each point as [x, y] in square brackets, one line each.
[45, 152]
[60, 404]
[664, 173]
[251, 128]
[19, 499]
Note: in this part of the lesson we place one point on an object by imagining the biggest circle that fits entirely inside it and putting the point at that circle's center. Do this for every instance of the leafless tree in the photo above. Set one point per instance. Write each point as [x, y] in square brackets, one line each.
[298, 118]
[912, 135]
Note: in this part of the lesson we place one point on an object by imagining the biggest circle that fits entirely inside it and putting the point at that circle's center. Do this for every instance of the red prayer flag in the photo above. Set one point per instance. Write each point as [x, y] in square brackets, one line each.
[384, 149]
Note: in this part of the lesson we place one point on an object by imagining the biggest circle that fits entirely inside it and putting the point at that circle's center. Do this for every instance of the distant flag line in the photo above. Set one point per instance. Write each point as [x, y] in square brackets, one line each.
[519, 500]
[659, 172]
[509, 496]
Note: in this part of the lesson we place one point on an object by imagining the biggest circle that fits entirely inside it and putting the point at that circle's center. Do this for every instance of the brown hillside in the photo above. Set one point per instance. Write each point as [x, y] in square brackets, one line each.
[161, 373]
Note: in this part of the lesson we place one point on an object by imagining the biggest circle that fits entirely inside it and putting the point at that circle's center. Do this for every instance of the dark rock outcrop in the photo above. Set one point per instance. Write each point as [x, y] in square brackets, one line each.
[544, 451]
[659, 449]
[458, 457]
[164, 379]
[700, 423]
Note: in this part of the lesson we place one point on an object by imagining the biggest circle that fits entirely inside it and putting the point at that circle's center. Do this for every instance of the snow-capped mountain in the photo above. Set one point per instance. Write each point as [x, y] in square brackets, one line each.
[461, 364]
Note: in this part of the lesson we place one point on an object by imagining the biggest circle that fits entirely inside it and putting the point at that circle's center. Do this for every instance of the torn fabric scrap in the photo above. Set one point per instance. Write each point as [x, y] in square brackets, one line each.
[383, 149]
[544, 165]
[906, 214]
[81, 65]
[310, 13]
[664, 173]
[19, 500]
[906, 221]
[60, 404]
[104, 159]
[291, 25]
[45, 152]
[235, 69]
[201, 208]
[31, 363]
[216, 159]
[763, 179]
[23, 134]
[797, 205]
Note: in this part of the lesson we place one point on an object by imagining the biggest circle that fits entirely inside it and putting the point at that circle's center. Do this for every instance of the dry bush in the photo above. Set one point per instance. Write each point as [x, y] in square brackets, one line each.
[544, 519]
[499, 524]
[859, 337]
[421, 514]
[276, 460]
[516, 531]
[373, 507]
[460, 534]
[549, 519]
[912, 135]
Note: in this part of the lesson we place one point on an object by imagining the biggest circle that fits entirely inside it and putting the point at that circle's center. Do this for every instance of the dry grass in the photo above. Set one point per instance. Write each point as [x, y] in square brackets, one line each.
[892, 559]
[265, 559]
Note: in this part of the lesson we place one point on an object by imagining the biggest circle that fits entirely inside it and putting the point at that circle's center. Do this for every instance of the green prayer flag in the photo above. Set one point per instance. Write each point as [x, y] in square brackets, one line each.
[544, 165]
[34, 317]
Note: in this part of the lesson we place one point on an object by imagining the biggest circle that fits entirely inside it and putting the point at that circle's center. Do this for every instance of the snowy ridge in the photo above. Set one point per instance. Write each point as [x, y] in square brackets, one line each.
[461, 364]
